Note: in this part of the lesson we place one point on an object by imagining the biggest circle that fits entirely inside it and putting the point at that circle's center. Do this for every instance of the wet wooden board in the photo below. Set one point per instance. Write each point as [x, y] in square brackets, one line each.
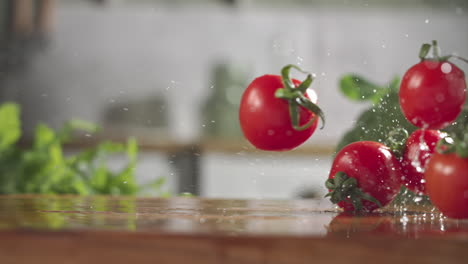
[70, 229]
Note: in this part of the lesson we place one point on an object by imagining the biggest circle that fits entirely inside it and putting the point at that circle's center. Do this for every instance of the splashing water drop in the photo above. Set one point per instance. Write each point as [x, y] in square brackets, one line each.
[299, 60]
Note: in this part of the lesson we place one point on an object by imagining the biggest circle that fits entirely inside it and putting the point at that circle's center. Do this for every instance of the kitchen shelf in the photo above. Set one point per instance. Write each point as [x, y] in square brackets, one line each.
[204, 146]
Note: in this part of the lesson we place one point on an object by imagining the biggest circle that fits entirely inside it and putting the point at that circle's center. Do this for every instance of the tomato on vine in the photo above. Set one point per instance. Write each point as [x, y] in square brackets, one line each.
[433, 91]
[364, 176]
[278, 113]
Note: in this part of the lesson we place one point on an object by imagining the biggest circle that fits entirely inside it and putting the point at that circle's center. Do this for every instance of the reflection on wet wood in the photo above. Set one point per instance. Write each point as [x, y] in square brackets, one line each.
[70, 229]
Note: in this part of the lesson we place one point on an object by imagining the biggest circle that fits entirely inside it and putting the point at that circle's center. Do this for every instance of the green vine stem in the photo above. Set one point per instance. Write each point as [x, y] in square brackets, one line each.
[426, 47]
[296, 98]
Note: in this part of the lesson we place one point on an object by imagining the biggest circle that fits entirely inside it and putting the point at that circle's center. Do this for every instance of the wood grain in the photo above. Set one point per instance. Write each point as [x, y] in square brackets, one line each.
[70, 229]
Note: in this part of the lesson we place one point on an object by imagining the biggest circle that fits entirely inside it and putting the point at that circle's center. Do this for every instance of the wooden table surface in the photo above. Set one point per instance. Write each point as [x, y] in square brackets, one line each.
[71, 229]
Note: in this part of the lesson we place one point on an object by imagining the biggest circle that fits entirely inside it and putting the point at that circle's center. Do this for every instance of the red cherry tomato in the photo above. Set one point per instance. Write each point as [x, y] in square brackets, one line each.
[419, 148]
[265, 119]
[447, 184]
[432, 94]
[375, 168]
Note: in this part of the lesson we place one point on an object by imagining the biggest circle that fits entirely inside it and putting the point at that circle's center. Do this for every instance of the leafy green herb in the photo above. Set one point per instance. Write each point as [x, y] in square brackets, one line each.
[381, 118]
[45, 169]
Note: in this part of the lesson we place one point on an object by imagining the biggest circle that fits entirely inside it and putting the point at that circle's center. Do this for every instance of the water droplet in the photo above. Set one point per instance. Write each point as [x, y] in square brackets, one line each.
[426, 21]
[44, 95]
[111, 101]
[446, 67]
[270, 132]
[125, 109]
[87, 135]
[406, 35]
[383, 46]
[213, 121]
[417, 199]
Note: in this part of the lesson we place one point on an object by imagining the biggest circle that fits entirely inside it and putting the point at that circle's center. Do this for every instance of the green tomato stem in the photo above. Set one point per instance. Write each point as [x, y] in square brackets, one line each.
[424, 51]
[345, 188]
[296, 98]
[435, 50]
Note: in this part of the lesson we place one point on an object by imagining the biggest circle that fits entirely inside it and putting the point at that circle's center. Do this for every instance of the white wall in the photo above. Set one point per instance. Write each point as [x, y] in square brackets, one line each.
[97, 55]
[100, 55]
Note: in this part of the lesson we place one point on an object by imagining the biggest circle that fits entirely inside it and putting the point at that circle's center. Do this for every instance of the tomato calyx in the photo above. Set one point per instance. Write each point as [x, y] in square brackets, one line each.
[296, 97]
[426, 47]
[344, 188]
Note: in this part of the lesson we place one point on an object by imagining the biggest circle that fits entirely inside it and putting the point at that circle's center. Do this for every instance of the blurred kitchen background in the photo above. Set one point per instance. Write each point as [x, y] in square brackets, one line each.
[171, 73]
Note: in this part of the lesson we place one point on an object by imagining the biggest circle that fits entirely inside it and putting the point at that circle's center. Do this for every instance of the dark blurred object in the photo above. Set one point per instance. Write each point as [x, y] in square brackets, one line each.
[308, 193]
[24, 29]
[220, 111]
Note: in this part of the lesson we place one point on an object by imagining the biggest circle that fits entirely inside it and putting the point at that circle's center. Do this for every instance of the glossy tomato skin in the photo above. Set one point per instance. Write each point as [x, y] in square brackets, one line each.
[432, 94]
[447, 184]
[265, 119]
[420, 146]
[375, 168]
